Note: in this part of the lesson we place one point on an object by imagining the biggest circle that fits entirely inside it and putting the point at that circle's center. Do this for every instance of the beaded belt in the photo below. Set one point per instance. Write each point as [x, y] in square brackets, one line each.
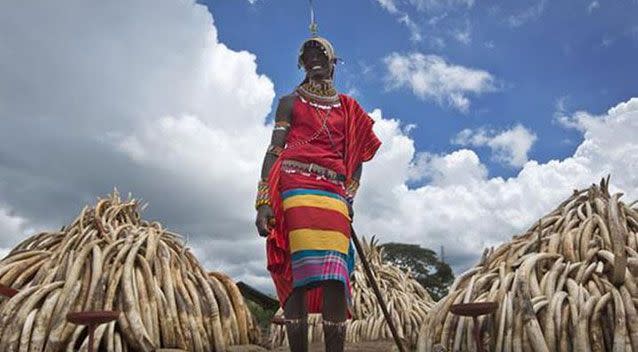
[315, 169]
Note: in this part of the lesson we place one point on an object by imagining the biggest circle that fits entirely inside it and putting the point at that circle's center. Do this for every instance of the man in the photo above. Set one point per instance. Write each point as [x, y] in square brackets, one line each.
[309, 178]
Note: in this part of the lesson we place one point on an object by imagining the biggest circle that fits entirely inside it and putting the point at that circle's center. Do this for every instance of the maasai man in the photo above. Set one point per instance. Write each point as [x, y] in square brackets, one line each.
[309, 178]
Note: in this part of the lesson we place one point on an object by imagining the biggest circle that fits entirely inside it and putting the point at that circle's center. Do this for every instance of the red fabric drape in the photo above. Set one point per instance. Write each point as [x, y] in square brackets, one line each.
[361, 144]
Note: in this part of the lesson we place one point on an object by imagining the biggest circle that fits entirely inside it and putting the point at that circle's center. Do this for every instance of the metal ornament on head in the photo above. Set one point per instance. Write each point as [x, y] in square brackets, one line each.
[314, 28]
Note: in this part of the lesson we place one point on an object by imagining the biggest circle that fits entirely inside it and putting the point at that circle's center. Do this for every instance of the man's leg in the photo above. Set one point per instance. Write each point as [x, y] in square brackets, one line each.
[334, 315]
[296, 318]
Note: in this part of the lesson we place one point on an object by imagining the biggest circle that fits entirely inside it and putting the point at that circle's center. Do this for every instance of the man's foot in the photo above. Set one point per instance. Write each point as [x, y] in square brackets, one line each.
[297, 330]
[334, 335]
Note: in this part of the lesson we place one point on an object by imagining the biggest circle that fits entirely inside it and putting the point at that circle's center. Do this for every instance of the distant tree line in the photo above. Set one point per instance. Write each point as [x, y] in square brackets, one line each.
[426, 267]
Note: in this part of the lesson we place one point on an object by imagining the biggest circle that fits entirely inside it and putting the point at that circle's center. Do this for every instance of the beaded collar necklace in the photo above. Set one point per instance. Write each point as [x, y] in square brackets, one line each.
[321, 93]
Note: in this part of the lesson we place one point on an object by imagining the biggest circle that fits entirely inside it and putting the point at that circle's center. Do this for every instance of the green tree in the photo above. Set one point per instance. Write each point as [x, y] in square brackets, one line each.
[433, 274]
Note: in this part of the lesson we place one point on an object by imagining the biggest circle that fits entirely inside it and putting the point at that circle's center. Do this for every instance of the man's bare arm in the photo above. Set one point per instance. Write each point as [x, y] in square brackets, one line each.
[283, 118]
[278, 139]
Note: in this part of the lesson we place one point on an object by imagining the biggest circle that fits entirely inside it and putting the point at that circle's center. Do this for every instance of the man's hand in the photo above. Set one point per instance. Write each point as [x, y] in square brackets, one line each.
[265, 216]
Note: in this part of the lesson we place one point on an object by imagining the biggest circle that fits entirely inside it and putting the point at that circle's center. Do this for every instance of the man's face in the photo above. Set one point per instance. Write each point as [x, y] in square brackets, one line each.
[315, 61]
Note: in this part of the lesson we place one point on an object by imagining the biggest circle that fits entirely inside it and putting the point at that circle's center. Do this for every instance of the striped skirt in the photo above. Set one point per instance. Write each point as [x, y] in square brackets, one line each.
[318, 227]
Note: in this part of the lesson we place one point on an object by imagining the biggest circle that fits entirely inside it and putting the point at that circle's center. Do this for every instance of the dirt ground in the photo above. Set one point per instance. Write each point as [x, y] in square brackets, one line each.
[371, 346]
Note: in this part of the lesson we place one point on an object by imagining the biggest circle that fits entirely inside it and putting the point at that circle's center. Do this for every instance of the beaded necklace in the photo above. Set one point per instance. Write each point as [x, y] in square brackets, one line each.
[323, 92]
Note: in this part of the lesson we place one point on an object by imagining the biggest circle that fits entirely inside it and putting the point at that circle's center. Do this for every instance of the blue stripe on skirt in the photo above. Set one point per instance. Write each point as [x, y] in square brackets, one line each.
[306, 191]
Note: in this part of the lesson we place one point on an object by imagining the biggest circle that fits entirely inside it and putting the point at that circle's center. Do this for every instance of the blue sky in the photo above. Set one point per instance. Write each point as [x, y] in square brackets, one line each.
[515, 105]
[579, 54]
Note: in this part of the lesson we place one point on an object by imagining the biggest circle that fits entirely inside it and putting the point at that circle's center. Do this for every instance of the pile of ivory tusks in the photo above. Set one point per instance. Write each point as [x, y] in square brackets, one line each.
[110, 259]
[566, 284]
[407, 301]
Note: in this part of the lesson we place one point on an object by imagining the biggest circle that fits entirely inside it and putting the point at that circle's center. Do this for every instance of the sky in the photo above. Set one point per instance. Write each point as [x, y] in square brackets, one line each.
[490, 113]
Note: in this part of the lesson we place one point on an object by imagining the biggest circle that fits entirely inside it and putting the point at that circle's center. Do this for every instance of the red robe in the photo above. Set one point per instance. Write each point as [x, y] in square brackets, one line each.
[361, 145]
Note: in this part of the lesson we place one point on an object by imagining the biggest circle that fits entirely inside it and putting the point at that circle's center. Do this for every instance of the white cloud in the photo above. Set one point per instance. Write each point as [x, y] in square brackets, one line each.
[463, 209]
[403, 18]
[439, 10]
[415, 31]
[148, 101]
[460, 167]
[578, 120]
[388, 5]
[434, 20]
[561, 103]
[510, 146]
[366, 69]
[437, 42]
[429, 5]
[592, 6]
[529, 14]
[353, 91]
[431, 77]
[464, 35]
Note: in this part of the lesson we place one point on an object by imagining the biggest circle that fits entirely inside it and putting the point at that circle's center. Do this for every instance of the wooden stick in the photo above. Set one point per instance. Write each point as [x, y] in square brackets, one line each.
[377, 292]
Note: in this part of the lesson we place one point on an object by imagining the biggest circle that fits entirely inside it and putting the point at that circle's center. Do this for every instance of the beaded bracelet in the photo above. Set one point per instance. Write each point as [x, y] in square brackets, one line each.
[351, 190]
[263, 196]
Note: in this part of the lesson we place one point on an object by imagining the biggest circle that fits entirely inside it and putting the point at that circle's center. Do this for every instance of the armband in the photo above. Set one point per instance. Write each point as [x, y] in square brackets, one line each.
[274, 150]
[282, 126]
